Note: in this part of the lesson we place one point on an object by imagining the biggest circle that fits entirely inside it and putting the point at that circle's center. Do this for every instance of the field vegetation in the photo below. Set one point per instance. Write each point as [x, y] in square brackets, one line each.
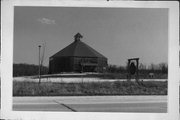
[26, 88]
[89, 89]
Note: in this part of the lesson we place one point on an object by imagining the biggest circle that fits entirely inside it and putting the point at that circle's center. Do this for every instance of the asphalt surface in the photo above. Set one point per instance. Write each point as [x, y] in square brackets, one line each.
[144, 104]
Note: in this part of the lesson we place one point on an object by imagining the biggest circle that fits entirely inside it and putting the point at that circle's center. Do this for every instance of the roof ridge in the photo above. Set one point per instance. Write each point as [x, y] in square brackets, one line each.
[74, 51]
[78, 49]
[94, 51]
[62, 49]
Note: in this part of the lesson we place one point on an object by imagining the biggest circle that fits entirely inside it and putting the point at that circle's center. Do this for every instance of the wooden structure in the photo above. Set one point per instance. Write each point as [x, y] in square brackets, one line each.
[77, 57]
[133, 68]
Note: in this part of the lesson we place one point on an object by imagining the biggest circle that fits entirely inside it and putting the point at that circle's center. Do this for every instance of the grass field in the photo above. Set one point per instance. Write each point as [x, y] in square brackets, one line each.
[89, 89]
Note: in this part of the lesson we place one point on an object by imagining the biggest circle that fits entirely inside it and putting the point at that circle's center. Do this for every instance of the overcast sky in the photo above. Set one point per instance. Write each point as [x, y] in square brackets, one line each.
[117, 33]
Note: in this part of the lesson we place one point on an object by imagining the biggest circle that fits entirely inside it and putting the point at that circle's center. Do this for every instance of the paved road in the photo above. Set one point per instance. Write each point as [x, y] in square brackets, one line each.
[149, 104]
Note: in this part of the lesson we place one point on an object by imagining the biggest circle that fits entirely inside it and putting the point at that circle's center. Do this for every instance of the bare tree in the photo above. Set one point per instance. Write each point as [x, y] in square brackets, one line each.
[152, 67]
[142, 66]
[163, 67]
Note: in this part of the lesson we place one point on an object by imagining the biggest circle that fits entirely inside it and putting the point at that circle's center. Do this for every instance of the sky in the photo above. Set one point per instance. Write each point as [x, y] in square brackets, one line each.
[117, 33]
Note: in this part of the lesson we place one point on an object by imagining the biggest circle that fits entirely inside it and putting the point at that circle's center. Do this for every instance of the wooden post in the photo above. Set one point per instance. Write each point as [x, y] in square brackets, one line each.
[129, 75]
[137, 70]
[39, 64]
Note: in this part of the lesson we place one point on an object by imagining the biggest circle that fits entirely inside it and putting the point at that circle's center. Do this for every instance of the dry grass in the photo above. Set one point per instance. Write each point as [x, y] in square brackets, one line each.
[88, 89]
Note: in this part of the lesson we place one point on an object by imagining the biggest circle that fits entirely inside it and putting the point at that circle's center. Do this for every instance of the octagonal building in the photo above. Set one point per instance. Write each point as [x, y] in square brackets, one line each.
[77, 57]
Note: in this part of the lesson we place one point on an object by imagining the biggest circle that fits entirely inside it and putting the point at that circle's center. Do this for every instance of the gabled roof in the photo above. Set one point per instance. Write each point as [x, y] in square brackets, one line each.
[78, 49]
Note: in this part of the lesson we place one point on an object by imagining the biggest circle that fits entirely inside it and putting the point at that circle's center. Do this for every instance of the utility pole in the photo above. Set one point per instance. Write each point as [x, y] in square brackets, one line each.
[39, 64]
